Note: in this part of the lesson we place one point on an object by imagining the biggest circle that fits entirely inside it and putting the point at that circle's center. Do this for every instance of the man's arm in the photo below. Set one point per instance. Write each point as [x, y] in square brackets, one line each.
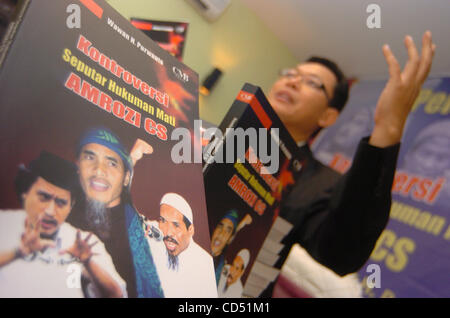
[402, 88]
[30, 242]
[103, 279]
[356, 212]
[8, 257]
[246, 220]
[347, 229]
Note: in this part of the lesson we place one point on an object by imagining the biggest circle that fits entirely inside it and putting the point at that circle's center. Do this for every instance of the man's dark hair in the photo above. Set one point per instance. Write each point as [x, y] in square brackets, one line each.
[186, 222]
[52, 169]
[106, 138]
[341, 90]
[23, 181]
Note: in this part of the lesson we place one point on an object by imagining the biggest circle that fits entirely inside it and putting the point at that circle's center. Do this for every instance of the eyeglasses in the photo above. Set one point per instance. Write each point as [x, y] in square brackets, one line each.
[307, 79]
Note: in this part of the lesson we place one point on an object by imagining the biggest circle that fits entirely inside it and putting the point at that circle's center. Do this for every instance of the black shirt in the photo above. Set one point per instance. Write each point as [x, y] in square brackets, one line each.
[116, 243]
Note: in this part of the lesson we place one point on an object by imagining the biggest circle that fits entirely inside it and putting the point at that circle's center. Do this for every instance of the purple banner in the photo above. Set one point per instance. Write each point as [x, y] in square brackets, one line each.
[413, 252]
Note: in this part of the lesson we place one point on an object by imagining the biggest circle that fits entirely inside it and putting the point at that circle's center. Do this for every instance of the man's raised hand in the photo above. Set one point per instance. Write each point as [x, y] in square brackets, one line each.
[401, 91]
[81, 248]
[31, 240]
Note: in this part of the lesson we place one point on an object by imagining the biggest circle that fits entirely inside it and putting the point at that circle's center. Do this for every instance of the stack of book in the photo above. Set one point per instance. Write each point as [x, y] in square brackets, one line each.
[252, 186]
[263, 271]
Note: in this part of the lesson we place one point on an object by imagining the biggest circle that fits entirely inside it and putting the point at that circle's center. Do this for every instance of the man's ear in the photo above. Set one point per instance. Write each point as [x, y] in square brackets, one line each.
[191, 230]
[126, 180]
[328, 117]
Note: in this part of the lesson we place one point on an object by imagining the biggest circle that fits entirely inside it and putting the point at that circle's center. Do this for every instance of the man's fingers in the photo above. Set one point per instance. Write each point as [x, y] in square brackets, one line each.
[87, 238]
[148, 149]
[144, 146]
[37, 228]
[91, 245]
[413, 63]
[394, 67]
[28, 226]
[140, 148]
[428, 49]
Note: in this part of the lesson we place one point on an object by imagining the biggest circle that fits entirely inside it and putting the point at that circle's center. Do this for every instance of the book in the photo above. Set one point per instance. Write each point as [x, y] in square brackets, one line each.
[170, 35]
[245, 184]
[81, 88]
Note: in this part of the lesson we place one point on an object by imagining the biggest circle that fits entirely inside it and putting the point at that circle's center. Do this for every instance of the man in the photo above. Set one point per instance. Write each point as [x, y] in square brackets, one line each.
[338, 220]
[105, 174]
[185, 269]
[230, 285]
[429, 156]
[41, 254]
[223, 235]
[346, 138]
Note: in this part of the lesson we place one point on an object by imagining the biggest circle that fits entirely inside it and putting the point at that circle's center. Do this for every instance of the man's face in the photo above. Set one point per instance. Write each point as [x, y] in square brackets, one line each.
[348, 135]
[431, 158]
[102, 174]
[236, 270]
[221, 235]
[299, 105]
[176, 235]
[49, 203]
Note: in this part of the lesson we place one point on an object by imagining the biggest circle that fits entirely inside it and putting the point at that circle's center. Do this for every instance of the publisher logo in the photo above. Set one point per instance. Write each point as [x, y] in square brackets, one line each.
[245, 97]
[180, 74]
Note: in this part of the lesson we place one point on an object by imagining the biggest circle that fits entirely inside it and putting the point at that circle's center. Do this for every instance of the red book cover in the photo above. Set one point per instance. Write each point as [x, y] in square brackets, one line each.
[244, 194]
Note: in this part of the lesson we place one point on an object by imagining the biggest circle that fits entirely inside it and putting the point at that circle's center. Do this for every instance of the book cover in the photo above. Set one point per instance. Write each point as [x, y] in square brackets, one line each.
[92, 202]
[249, 168]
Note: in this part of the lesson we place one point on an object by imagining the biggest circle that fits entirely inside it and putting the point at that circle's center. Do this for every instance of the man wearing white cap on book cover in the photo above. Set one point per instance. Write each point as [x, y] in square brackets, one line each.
[230, 285]
[184, 268]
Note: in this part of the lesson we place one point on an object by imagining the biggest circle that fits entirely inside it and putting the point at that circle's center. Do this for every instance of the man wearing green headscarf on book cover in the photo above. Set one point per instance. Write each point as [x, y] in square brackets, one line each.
[105, 172]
